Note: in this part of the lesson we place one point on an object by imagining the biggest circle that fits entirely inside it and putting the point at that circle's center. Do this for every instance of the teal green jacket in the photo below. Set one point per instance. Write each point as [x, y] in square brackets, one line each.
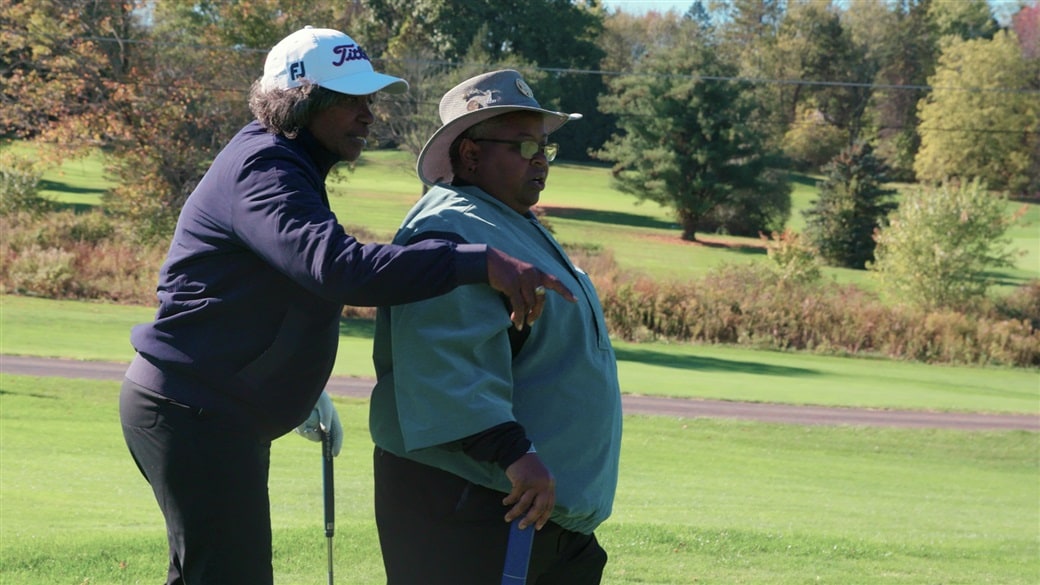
[446, 371]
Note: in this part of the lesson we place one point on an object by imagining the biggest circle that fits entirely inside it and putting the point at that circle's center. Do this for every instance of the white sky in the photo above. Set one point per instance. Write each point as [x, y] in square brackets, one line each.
[641, 6]
[1001, 8]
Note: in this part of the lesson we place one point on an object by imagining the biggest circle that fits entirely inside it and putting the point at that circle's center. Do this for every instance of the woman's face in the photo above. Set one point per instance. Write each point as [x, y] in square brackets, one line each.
[343, 128]
[500, 169]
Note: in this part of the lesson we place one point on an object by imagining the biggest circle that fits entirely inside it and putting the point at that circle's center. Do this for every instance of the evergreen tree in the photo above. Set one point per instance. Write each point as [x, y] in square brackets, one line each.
[685, 141]
[852, 205]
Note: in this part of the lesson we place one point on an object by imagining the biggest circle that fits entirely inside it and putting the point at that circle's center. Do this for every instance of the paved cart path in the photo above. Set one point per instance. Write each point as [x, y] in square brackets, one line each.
[632, 404]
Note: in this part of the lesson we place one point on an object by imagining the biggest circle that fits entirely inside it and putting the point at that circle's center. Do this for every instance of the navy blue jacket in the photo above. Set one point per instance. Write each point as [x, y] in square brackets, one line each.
[256, 278]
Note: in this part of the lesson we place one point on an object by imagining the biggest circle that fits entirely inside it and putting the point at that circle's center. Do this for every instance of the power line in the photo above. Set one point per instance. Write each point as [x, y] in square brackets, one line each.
[600, 72]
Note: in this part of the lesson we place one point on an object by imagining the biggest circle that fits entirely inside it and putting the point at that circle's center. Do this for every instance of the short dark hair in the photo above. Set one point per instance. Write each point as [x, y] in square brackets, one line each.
[287, 111]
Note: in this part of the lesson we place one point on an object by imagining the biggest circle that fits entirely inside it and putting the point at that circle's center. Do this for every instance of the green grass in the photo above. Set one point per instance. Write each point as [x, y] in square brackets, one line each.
[77, 183]
[699, 501]
[95, 331]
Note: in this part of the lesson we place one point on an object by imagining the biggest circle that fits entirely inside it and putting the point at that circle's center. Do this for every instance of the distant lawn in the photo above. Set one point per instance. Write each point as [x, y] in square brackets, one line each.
[582, 207]
[78, 183]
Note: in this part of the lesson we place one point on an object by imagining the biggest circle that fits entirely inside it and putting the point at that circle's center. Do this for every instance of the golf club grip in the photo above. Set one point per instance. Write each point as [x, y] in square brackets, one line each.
[518, 554]
[328, 484]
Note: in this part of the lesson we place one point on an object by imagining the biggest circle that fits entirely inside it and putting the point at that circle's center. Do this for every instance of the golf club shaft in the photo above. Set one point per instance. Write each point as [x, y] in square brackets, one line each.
[328, 487]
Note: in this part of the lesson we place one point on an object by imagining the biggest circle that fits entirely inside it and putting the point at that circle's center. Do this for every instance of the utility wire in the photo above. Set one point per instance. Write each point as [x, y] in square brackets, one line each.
[575, 71]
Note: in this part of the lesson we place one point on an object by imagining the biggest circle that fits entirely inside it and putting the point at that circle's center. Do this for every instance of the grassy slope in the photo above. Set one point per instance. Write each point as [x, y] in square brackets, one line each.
[582, 207]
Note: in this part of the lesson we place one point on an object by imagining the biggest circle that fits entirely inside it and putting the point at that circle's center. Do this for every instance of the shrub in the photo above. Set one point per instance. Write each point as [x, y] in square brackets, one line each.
[753, 305]
[19, 187]
[1023, 304]
[68, 255]
[44, 272]
[940, 249]
[813, 141]
[792, 258]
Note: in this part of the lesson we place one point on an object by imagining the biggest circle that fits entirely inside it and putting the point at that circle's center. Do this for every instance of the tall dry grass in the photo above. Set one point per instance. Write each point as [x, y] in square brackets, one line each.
[754, 305]
[91, 256]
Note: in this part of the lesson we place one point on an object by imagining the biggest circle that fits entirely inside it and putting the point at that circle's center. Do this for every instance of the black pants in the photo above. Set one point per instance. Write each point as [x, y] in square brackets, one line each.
[435, 528]
[209, 476]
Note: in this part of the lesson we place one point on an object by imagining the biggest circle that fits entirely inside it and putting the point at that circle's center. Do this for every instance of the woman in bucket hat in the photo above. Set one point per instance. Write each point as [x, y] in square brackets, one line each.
[475, 423]
[250, 297]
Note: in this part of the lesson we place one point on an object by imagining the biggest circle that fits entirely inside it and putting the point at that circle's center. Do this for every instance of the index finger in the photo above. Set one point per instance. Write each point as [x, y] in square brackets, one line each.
[551, 282]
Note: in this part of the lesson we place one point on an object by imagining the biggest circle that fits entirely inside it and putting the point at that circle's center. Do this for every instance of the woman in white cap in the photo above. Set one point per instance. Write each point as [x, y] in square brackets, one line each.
[475, 423]
[250, 297]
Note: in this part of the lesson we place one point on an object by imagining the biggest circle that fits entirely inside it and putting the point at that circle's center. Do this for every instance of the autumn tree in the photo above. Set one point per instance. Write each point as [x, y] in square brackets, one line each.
[900, 43]
[408, 121]
[61, 64]
[441, 34]
[963, 20]
[187, 98]
[814, 46]
[981, 119]
[852, 204]
[684, 141]
[1026, 24]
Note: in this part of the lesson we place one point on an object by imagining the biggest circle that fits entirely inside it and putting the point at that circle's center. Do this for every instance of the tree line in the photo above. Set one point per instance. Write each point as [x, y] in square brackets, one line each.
[702, 111]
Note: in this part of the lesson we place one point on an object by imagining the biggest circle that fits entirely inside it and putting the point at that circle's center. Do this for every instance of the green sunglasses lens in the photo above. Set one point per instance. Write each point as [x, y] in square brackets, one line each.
[529, 148]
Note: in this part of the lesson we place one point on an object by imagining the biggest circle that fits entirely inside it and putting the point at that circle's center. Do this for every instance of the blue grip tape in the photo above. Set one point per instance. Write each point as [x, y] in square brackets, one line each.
[518, 554]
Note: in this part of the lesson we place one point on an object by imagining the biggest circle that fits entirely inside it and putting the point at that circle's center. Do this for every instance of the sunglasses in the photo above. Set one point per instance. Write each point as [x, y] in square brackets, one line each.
[528, 148]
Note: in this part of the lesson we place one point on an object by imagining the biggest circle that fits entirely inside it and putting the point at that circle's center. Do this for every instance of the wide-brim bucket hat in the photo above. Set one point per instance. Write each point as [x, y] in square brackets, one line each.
[470, 103]
[327, 58]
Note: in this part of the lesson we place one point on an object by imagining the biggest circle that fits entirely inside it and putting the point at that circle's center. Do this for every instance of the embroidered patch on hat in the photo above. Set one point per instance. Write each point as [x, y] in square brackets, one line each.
[477, 99]
[524, 88]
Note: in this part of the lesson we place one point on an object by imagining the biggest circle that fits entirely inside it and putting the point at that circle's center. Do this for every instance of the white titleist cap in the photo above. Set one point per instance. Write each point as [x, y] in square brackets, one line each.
[327, 58]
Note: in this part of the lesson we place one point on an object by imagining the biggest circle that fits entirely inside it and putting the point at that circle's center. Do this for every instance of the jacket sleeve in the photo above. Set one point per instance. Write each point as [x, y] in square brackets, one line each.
[280, 214]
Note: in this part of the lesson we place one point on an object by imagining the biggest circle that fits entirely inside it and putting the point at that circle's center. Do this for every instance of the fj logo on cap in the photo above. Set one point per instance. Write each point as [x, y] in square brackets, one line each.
[348, 53]
[296, 71]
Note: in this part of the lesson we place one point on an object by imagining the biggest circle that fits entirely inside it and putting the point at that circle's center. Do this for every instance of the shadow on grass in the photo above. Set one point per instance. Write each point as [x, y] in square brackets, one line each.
[1001, 278]
[609, 217]
[802, 179]
[364, 328]
[707, 364]
[77, 208]
[29, 395]
[62, 187]
[732, 246]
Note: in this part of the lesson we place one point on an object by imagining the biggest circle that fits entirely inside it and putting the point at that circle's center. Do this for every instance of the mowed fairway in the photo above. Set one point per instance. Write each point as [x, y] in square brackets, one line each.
[96, 331]
[699, 501]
